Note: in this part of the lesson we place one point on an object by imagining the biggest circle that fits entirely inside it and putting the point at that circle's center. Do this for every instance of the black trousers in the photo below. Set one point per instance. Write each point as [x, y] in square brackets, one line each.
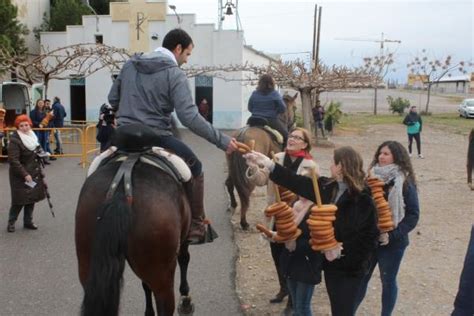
[418, 142]
[343, 292]
[27, 213]
[276, 249]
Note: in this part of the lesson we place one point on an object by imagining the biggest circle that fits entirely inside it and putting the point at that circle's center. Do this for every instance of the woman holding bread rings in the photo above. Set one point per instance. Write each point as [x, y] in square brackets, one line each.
[355, 222]
[297, 158]
[392, 165]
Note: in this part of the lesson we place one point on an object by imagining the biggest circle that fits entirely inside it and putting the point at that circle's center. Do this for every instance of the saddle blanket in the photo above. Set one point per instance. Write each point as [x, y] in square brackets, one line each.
[177, 161]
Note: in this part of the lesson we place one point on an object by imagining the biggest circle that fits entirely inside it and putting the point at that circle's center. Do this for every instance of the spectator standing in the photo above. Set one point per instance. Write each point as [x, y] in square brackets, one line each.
[204, 109]
[58, 122]
[25, 173]
[414, 126]
[318, 117]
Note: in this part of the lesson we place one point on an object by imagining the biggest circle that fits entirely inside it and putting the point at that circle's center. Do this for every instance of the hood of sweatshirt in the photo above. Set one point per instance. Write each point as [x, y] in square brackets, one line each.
[152, 63]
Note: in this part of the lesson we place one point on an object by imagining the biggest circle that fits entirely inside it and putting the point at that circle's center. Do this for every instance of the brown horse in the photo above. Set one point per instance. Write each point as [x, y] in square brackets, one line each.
[236, 164]
[288, 118]
[147, 229]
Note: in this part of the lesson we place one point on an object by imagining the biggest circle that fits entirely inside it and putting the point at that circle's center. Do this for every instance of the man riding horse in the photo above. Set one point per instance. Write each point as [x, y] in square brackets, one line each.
[148, 89]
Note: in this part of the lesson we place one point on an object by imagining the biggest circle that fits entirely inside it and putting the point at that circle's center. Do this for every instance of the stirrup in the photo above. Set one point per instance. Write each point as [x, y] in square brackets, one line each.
[209, 235]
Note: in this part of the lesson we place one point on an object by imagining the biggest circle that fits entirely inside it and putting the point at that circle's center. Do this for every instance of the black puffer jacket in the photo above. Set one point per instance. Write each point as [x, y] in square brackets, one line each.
[303, 264]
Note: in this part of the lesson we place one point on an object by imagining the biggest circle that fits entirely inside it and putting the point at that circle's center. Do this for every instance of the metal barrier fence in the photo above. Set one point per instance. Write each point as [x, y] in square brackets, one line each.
[76, 141]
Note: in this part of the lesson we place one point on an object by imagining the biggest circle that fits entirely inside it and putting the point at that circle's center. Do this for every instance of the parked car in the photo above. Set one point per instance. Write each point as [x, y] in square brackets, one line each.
[466, 108]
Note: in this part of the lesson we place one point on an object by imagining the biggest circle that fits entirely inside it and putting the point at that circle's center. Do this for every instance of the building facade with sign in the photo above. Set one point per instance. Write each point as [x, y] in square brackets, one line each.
[132, 26]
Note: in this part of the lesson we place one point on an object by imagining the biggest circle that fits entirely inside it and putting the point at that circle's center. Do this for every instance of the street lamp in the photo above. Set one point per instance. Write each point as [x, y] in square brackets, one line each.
[173, 7]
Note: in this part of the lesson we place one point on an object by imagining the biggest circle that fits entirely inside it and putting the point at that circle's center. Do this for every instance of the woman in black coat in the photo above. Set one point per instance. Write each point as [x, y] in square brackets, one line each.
[26, 178]
[355, 225]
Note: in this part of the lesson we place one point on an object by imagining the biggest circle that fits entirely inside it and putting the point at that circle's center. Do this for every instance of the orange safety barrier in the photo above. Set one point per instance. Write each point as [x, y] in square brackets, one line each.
[77, 142]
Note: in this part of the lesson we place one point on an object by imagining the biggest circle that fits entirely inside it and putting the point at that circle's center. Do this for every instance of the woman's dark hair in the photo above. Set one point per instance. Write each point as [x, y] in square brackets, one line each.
[265, 84]
[352, 168]
[400, 158]
[306, 137]
[177, 37]
[37, 102]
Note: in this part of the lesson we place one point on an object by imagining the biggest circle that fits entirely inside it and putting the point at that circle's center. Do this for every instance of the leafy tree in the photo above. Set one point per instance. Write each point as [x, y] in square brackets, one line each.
[398, 105]
[67, 12]
[332, 116]
[62, 13]
[101, 7]
[11, 31]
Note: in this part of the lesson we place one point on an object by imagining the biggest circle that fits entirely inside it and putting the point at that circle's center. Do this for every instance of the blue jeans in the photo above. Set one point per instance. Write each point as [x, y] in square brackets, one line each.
[57, 137]
[464, 303]
[389, 260]
[301, 294]
[43, 139]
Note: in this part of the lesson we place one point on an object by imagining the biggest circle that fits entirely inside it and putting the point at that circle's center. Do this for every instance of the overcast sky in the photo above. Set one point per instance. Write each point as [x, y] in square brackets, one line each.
[442, 27]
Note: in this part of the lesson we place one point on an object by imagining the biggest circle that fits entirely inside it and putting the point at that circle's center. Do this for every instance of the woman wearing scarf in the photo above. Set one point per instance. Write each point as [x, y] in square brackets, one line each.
[355, 225]
[26, 179]
[298, 159]
[392, 165]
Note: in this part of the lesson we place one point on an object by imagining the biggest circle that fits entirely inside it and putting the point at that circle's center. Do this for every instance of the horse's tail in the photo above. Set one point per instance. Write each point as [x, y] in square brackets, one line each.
[109, 250]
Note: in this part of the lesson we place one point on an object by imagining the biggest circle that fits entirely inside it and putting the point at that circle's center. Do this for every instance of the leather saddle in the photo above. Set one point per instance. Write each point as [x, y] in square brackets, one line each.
[137, 142]
[262, 123]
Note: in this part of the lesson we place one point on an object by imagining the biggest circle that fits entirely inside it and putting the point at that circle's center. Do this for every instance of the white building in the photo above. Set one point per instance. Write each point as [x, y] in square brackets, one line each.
[453, 84]
[228, 99]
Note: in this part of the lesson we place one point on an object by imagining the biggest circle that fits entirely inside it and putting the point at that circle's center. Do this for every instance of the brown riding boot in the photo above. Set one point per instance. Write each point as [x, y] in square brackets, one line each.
[200, 231]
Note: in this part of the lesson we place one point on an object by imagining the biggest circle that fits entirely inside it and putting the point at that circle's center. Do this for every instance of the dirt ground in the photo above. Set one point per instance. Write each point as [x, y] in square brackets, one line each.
[429, 274]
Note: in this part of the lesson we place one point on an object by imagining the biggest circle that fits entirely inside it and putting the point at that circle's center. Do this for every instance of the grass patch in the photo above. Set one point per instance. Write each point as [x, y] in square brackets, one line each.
[358, 122]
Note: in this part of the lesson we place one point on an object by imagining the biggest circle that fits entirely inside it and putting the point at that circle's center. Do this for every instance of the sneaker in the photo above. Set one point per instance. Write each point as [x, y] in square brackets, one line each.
[421, 156]
[53, 158]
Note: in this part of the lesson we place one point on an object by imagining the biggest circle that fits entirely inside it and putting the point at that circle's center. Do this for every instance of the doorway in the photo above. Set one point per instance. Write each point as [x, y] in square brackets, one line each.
[204, 92]
[78, 99]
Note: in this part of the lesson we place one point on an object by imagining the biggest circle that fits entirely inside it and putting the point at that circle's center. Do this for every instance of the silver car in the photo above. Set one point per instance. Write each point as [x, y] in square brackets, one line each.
[466, 108]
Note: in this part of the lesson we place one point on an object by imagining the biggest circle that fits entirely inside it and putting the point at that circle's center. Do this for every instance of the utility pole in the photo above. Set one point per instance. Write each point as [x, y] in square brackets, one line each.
[315, 55]
[382, 40]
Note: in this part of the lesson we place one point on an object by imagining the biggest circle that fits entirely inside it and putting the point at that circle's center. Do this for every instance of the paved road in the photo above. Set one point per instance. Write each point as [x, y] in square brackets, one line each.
[38, 269]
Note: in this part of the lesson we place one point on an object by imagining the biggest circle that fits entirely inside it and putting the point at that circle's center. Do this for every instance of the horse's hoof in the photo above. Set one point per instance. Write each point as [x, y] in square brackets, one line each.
[245, 226]
[186, 306]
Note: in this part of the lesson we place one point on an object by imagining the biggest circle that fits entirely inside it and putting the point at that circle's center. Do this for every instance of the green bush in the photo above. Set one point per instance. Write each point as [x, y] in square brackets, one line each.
[332, 115]
[398, 105]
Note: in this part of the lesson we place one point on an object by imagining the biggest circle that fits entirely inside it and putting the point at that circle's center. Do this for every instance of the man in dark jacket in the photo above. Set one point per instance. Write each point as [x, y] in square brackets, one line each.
[149, 88]
[58, 122]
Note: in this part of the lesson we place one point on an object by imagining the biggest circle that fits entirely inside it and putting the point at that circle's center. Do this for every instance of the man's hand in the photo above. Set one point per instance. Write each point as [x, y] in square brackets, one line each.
[232, 146]
[28, 178]
[260, 159]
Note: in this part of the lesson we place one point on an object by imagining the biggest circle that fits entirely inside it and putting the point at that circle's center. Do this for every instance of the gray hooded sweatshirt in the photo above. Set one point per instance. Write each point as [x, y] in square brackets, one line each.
[149, 88]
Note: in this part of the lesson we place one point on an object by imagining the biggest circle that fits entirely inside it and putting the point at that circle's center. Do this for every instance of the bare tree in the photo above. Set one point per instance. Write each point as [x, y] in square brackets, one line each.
[432, 70]
[79, 60]
[379, 66]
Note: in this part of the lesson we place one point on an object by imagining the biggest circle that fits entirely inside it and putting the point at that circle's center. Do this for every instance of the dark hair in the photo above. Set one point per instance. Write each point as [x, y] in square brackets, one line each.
[177, 37]
[352, 167]
[57, 99]
[400, 158]
[266, 84]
